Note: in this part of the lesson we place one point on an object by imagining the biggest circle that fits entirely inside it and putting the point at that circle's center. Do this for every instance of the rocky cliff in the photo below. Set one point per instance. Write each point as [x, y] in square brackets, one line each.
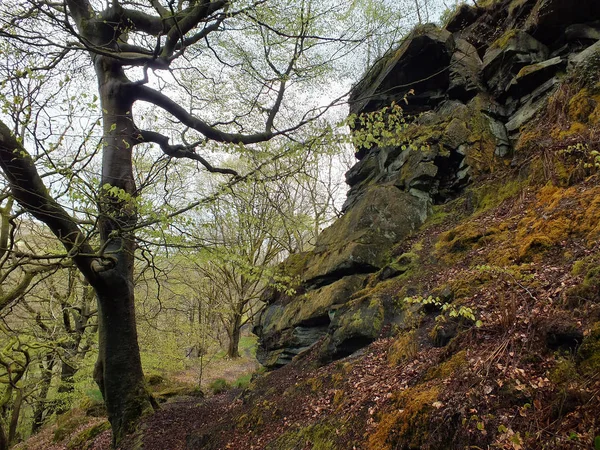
[485, 98]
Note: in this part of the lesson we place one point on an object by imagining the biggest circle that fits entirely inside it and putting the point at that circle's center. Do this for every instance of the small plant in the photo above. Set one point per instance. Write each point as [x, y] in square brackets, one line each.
[449, 309]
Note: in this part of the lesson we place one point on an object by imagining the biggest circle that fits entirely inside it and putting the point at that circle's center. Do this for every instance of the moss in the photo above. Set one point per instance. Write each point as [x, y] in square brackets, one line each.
[559, 214]
[564, 372]
[470, 282]
[93, 407]
[494, 194]
[503, 41]
[261, 414]
[295, 264]
[154, 379]
[463, 238]
[67, 424]
[448, 368]
[403, 349]
[409, 425]
[321, 436]
[581, 106]
[515, 4]
[588, 356]
[85, 439]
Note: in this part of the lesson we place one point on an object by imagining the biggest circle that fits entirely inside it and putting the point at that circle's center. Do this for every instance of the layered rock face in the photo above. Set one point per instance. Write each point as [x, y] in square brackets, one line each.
[468, 88]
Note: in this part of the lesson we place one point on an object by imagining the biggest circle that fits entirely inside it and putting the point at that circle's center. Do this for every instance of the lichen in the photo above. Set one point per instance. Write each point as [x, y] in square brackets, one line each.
[503, 41]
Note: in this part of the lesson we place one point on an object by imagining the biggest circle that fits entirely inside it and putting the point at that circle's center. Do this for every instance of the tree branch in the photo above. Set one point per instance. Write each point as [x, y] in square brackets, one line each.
[182, 151]
[150, 95]
[30, 192]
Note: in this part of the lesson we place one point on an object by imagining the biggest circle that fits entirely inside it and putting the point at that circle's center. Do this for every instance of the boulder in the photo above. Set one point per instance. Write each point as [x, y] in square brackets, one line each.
[420, 66]
[549, 18]
[534, 75]
[464, 16]
[582, 31]
[465, 67]
[507, 56]
[356, 242]
[287, 330]
[355, 325]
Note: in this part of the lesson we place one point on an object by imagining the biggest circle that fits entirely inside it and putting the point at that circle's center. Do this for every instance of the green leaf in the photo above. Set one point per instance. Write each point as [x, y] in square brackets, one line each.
[597, 443]
[113, 127]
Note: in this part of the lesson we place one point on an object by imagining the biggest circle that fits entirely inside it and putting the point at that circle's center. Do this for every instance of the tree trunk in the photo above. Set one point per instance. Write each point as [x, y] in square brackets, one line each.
[234, 336]
[14, 418]
[118, 371]
[41, 405]
[3, 437]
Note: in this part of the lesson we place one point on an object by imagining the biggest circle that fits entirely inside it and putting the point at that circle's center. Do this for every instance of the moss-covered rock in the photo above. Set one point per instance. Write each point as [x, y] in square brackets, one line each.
[588, 356]
[355, 325]
[85, 439]
[360, 238]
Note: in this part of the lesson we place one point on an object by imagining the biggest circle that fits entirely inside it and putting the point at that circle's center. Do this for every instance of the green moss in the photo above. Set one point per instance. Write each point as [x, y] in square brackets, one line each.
[404, 348]
[408, 425]
[514, 5]
[564, 373]
[261, 414]
[448, 368]
[588, 356]
[505, 39]
[67, 424]
[85, 439]
[93, 407]
[321, 436]
[494, 194]
[295, 264]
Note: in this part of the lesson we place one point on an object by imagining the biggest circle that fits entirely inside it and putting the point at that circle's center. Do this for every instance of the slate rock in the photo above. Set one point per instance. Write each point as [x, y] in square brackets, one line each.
[507, 56]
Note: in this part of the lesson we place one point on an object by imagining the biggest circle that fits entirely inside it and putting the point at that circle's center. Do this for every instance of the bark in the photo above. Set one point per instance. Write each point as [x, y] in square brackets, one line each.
[41, 406]
[118, 371]
[14, 418]
[3, 437]
[234, 336]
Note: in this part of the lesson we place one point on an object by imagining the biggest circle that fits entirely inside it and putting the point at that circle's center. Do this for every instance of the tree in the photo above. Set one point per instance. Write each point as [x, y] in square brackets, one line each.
[125, 40]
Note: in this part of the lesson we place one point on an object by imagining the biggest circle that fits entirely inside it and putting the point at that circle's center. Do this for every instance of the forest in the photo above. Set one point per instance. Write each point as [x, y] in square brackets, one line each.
[287, 224]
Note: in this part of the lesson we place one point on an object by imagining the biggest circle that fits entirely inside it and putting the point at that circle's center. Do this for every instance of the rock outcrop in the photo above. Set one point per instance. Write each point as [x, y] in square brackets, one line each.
[470, 88]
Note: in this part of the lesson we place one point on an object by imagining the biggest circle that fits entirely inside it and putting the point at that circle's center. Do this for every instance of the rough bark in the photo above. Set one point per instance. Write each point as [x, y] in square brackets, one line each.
[234, 336]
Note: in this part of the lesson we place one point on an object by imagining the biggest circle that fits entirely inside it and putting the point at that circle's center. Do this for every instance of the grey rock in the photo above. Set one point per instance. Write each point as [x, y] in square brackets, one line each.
[537, 100]
[549, 18]
[582, 31]
[465, 66]
[455, 134]
[534, 75]
[584, 57]
[505, 59]
[420, 64]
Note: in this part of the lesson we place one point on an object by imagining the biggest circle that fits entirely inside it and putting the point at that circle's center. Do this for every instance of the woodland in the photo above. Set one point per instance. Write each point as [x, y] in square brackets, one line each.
[182, 264]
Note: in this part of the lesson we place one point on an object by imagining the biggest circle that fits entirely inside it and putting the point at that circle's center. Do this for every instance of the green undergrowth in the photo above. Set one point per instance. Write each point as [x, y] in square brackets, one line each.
[321, 436]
